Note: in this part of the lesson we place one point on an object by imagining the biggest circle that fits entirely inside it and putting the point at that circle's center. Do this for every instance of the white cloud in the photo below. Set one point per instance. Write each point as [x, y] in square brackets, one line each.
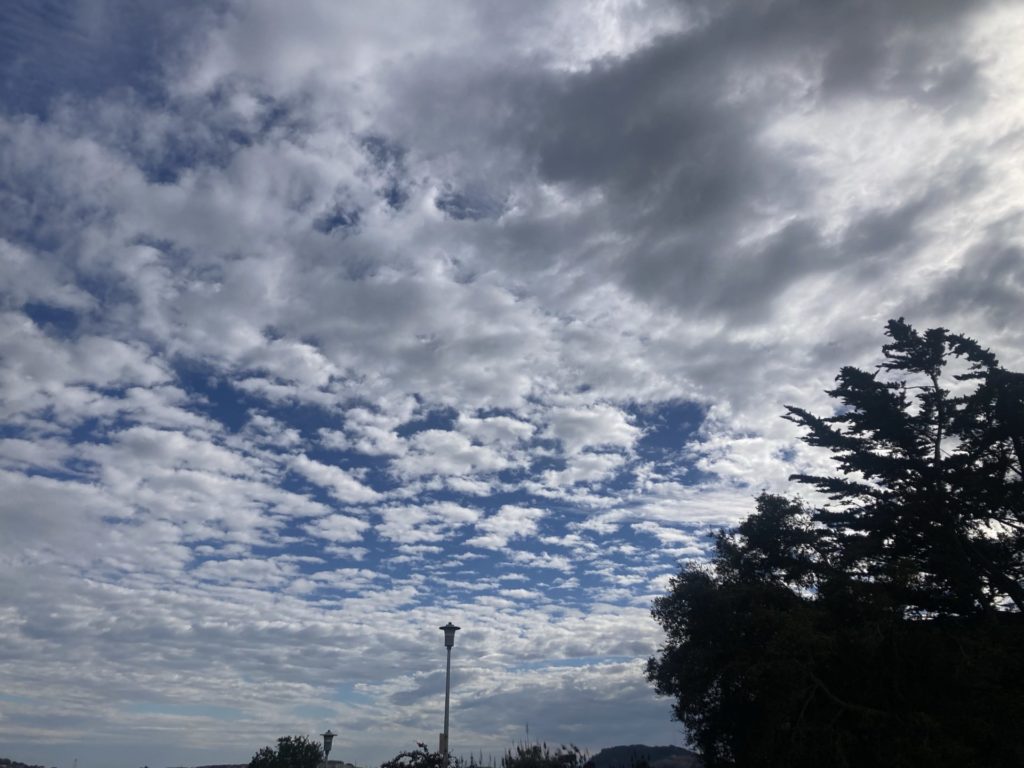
[338, 528]
[681, 543]
[33, 279]
[433, 522]
[585, 468]
[590, 427]
[373, 433]
[445, 452]
[339, 483]
[269, 431]
[496, 429]
[509, 522]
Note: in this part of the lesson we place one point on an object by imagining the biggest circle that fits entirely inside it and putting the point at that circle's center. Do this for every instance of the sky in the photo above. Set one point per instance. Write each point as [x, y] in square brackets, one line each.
[323, 324]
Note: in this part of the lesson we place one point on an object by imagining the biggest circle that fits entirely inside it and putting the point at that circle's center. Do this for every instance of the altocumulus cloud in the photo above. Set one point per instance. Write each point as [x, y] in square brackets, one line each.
[324, 325]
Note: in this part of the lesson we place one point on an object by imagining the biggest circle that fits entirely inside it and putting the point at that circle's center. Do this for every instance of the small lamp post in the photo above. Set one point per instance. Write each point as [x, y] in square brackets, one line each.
[328, 741]
[449, 630]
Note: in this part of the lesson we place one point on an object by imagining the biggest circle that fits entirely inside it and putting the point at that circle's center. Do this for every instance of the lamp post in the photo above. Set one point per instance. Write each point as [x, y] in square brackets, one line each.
[328, 741]
[449, 630]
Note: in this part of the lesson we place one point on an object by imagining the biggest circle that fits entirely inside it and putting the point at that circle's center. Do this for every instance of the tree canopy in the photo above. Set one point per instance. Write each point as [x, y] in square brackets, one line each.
[883, 626]
[290, 752]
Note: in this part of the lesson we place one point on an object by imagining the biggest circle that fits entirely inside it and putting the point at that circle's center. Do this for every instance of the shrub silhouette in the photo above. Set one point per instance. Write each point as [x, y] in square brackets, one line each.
[291, 752]
[421, 757]
[540, 756]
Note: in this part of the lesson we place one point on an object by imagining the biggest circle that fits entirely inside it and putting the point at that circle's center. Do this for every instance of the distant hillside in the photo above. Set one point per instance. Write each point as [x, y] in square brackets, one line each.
[655, 757]
[330, 764]
[5, 763]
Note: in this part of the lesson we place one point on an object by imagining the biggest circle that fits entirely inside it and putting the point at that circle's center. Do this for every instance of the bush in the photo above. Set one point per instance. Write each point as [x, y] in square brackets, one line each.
[291, 752]
[421, 757]
[539, 756]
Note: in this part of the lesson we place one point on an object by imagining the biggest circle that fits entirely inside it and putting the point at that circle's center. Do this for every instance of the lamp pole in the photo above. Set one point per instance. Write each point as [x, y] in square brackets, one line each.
[328, 741]
[449, 630]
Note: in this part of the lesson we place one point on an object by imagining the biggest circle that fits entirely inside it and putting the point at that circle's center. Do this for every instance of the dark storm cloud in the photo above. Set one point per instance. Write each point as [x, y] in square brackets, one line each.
[990, 282]
[389, 160]
[880, 230]
[672, 136]
[467, 205]
[909, 49]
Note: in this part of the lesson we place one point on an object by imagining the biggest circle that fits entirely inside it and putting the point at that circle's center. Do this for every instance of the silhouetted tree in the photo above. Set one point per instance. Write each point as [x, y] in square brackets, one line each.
[421, 757]
[930, 505]
[291, 752]
[883, 628]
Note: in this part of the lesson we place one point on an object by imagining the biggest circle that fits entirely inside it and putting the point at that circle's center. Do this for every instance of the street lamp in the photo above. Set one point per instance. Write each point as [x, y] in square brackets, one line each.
[328, 741]
[449, 630]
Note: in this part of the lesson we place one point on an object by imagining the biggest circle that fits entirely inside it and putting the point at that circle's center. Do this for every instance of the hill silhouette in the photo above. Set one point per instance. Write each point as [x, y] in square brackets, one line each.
[655, 757]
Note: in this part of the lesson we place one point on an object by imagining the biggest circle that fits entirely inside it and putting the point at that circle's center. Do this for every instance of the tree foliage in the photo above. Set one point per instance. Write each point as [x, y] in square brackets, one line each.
[930, 502]
[421, 757]
[290, 752]
[884, 627]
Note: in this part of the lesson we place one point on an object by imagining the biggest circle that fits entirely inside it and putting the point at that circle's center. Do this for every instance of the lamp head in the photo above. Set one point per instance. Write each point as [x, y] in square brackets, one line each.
[449, 634]
[328, 741]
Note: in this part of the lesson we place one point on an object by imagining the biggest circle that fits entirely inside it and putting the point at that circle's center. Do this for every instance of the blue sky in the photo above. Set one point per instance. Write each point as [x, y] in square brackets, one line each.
[323, 324]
